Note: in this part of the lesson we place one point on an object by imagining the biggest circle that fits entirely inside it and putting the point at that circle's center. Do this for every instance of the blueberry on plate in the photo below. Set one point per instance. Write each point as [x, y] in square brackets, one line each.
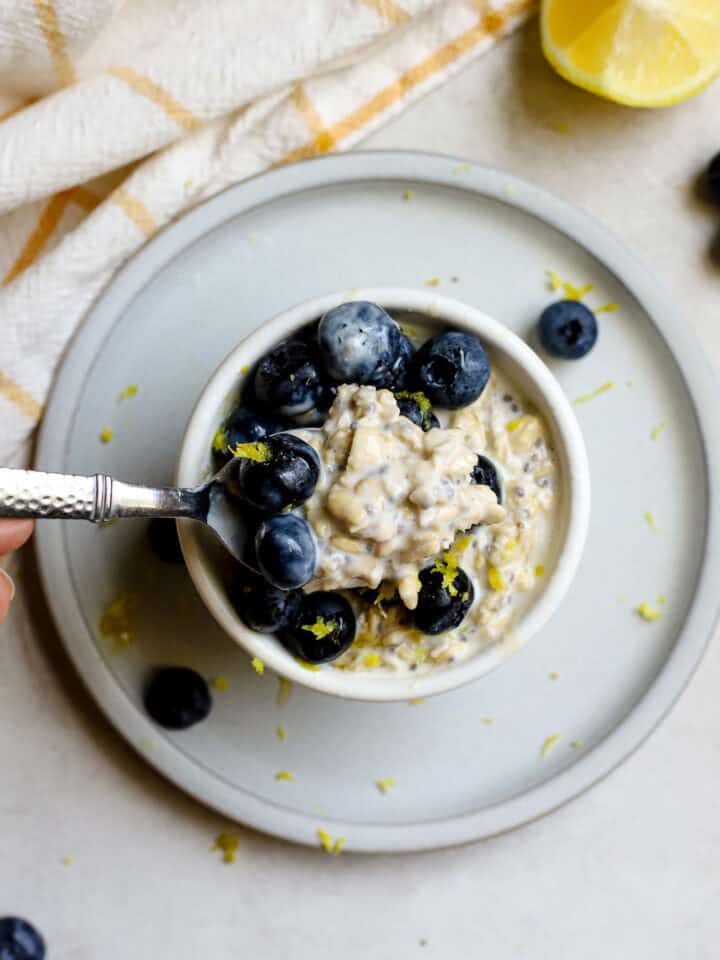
[287, 381]
[358, 343]
[417, 407]
[177, 698]
[398, 374]
[164, 542]
[568, 329]
[260, 605]
[242, 426]
[485, 473]
[286, 551]
[451, 369]
[19, 940]
[712, 179]
[278, 472]
[446, 594]
[323, 628]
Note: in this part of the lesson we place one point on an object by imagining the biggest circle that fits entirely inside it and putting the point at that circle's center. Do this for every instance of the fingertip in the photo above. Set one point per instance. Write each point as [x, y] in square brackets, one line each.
[14, 533]
[7, 592]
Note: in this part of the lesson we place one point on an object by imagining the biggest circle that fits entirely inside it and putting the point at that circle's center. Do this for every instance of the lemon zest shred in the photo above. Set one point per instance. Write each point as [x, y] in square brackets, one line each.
[539, 570]
[421, 655]
[495, 578]
[307, 666]
[219, 443]
[284, 775]
[245, 368]
[281, 733]
[257, 451]
[119, 620]
[407, 194]
[67, 860]
[462, 543]
[321, 628]
[548, 744]
[371, 660]
[554, 675]
[447, 566]
[488, 721]
[647, 613]
[131, 391]
[221, 683]
[433, 282]
[554, 279]
[331, 845]
[513, 425]
[603, 388]
[462, 168]
[650, 520]
[106, 435]
[284, 691]
[228, 843]
[258, 666]
[658, 431]
[416, 701]
[386, 784]
[576, 744]
[606, 308]
[662, 600]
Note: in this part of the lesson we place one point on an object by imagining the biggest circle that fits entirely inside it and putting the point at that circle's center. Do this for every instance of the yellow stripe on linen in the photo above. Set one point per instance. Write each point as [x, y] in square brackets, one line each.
[388, 10]
[156, 94]
[20, 398]
[55, 41]
[135, 209]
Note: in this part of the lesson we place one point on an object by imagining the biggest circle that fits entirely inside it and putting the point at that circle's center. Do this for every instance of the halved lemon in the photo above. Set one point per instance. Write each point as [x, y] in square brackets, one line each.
[645, 53]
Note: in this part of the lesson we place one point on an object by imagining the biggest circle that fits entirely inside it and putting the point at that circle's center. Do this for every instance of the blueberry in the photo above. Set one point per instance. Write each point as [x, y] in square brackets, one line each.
[485, 473]
[261, 606]
[568, 329]
[446, 594]
[286, 551]
[19, 940]
[287, 381]
[279, 472]
[451, 369]
[398, 374]
[417, 407]
[177, 698]
[359, 343]
[712, 179]
[164, 542]
[323, 628]
[242, 426]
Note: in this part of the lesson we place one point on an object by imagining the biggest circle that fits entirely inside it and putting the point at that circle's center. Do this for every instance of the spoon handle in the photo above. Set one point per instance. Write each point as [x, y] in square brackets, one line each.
[31, 493]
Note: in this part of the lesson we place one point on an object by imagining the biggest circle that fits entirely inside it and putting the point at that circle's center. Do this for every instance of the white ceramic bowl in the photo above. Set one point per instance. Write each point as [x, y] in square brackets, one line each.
[206, 559]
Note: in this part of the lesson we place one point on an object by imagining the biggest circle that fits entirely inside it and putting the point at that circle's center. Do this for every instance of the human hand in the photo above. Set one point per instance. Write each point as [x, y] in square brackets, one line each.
[13, 534]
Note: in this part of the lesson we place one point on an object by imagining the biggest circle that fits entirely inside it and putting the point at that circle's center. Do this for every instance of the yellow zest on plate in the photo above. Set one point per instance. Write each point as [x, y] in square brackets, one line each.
[67, 860]
[386, 784]
[576, 744]
[571, 291]
[433, 282]
[284, 691]
[416, 701]
[407, 194]
[643, 53]
[330, 844]
[554, 675]
[549, 744]
[598, 392]
[220, 683]
[119, 620]
[647, 613]
[658, 431]
[106, 435]
[281, 733]
[258, 666]
[606, 308]
[462, 168]
[130, 391]
[285, 775]
[488, 721]
[228, 843]
[650, 520]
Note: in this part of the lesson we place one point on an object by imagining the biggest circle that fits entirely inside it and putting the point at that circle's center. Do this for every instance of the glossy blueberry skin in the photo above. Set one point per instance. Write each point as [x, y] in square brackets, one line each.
[288, 478]
[286, 551]
[177, 698]
[712, 179]
[358, 343]
[485, 473]
[164, 542]
[438, 609]
[260, 605]
[244, 426]
[287, 381]
[568, 329]
[398, 374]
[19, 940]
[451, 369]
[332, 608]
[410, 408]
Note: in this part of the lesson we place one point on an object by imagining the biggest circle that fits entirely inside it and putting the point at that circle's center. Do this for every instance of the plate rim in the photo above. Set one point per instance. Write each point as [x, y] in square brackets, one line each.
[700, 383]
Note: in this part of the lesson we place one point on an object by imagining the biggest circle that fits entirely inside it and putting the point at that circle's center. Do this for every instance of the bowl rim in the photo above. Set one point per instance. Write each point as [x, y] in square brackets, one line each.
[368, 686]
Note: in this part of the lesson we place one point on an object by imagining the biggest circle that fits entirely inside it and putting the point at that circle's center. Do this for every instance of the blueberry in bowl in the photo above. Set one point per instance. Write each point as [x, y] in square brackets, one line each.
[417, 408]
[279, 472]
[242, 426]
[452, 369]
[322, 629]
[288, 382]
[485, 472]
[446, 594]
[286, 551]
[262, 606]
[360, 343]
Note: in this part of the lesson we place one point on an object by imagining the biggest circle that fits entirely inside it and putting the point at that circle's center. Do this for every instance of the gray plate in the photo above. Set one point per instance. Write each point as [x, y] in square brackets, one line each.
[192, 294]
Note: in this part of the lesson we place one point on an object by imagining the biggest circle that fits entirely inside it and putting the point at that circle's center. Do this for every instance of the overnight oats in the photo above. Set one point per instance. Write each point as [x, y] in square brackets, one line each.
[406, 521]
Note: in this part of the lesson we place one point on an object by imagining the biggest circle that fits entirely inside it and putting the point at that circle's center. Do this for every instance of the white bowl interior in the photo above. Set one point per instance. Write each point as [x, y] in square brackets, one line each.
[210, 566]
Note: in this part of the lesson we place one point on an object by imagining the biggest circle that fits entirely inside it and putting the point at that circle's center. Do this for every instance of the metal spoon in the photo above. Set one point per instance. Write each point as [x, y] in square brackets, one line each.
[98, 498]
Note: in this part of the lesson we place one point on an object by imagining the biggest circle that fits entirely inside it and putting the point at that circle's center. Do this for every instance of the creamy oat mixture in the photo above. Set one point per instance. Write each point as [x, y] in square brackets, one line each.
[393, 499]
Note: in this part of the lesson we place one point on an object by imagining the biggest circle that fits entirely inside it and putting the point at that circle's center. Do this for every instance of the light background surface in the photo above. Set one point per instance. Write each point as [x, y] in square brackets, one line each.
[630, 869]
